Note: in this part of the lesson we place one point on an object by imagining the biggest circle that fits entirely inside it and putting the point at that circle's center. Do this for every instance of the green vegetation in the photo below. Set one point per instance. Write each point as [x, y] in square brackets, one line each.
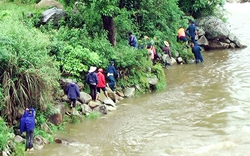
[33, 56]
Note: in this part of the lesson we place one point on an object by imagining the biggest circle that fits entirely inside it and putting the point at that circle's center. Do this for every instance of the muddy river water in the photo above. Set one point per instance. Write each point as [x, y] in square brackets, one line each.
[205, 110]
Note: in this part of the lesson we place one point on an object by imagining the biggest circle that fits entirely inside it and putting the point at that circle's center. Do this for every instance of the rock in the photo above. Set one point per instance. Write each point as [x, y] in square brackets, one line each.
[49, 3]
[217, 34]
[173, 61]
[200, 31]
[80, 85]
[236, 41]
[93, 104]
[86, 109]
[215, 44]
[120, 93]
[19, 139]
[3, 152]
[46, 128]
[110, 108]
[85, 97]
[232, 45]
[100, 109]
[152, 80]
[202, 41]
[75, 112]
[214, 27]
[39, 142]
[109, 101]
[54, 13]
[129, 92]
[65, 99]
[112, 95]
[243, 1]
[232, 1]
[57, 117]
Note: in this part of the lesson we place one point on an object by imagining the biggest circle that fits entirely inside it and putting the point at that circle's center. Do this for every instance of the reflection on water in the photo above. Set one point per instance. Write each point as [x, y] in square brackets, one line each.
[205, 111]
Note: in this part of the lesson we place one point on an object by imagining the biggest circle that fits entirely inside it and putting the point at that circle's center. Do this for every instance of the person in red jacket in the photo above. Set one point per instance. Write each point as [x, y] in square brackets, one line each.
[101, 83]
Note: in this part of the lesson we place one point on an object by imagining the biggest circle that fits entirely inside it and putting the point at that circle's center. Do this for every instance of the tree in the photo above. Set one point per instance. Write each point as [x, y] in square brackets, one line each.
[199, 8]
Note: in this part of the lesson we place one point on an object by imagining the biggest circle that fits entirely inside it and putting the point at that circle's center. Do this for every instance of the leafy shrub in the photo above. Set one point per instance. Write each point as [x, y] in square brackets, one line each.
[4, 137]
[28, 74]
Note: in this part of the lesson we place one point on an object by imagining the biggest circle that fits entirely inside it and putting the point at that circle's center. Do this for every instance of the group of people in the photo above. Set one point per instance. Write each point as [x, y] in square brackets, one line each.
[149, 45]
[97, 82]
[182, 36]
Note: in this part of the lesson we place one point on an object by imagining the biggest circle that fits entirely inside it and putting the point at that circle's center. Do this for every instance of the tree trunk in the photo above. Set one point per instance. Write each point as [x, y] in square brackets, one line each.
[108, 24]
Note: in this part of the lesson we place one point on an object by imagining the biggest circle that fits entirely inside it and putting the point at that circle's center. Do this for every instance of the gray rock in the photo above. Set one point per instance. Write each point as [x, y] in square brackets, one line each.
[109, 101]
[129, 92]
[86, 109]
[214, 27]
[19, 139]
[153, 80]
[85, 97]
[101, 109]
[203, 41]
[53, 13]
[39, 142]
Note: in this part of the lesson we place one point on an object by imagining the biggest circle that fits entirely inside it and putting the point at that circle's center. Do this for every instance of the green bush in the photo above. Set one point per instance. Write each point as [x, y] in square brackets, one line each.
[4, 137]
[28, 73]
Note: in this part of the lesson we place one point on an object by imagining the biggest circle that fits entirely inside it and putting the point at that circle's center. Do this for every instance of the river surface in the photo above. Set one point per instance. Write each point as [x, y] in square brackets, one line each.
[205, 110]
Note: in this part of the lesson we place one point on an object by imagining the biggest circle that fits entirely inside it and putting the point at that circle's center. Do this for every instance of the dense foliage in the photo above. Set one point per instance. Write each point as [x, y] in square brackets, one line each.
[28, 74]
[199, 8]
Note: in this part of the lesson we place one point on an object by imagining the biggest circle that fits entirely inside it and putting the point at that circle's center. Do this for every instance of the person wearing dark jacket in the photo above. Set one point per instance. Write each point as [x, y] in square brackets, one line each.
[92, 81]
[73, 94]
[28, 125]
[111, 74]
[196, 49]
[192, 31]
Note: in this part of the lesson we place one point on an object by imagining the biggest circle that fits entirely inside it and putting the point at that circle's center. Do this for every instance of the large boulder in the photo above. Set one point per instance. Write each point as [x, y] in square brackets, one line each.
[85, 97]
[214, 27]
[53, 14]
[217, 35]
[57, 117]
[49, 3]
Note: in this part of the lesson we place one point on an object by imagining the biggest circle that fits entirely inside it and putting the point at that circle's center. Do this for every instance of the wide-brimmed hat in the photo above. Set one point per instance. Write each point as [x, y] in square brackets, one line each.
[92, 69]
[166, 43]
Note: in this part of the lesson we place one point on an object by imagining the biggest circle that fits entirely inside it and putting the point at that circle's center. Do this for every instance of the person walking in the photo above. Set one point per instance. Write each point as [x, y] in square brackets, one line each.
[101, 83]
[73, 94]
[196, 49]
[92, 81]
[27, 124]
[111, 74]
[192, 31]
[132, 40]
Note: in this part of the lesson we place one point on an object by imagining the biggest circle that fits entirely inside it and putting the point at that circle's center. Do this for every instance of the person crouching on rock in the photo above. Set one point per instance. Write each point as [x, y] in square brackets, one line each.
[73, 94]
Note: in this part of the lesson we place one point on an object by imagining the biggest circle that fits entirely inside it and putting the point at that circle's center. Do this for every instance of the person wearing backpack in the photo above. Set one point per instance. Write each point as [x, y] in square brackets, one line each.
[28, 125]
